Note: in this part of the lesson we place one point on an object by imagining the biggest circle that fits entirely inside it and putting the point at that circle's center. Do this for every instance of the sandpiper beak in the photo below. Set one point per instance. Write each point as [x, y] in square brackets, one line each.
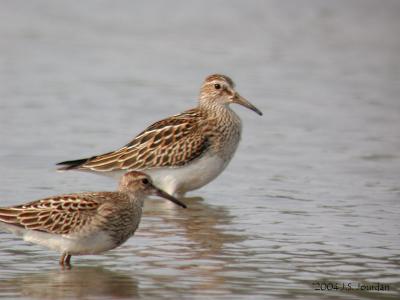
[167, 196]
[242, 101]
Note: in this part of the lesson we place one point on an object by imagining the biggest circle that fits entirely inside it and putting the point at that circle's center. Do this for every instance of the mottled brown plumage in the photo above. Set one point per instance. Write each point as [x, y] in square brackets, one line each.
[64, 214]
[171, 142]
[83, 223]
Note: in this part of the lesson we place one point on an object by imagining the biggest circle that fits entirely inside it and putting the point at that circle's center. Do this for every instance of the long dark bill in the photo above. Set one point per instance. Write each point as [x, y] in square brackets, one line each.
[167, 196]
[242, 101]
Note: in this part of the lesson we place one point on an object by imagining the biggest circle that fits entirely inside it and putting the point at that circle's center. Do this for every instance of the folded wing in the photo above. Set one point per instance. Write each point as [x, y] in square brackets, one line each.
[171, 142]
[59, 215]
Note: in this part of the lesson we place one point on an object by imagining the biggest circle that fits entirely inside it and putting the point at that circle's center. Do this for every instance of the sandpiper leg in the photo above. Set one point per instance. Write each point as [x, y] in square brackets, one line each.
[68, 261]
[65, 260]
[62, 258]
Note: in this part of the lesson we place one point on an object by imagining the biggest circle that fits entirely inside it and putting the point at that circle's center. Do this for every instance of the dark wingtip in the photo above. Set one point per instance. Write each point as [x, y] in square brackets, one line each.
[71, 164]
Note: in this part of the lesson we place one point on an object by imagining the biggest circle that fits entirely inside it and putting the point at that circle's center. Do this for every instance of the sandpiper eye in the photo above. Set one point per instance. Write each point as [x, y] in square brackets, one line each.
[217, 86]
[145, 181]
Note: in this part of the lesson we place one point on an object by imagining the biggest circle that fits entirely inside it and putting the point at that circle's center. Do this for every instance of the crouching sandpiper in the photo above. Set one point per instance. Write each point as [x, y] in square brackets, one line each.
[83, 223]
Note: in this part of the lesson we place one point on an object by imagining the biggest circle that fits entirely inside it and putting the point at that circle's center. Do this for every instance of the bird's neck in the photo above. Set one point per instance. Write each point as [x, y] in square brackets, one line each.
[220, 112]
[137, 199]
[225, 129]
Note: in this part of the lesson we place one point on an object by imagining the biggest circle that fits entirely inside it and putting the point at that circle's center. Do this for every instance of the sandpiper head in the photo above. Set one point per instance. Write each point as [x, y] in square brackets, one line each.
[140, 184]
[220, 89]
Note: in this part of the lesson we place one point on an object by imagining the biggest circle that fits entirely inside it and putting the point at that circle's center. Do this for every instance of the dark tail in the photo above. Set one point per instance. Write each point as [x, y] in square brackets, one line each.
[71, 164]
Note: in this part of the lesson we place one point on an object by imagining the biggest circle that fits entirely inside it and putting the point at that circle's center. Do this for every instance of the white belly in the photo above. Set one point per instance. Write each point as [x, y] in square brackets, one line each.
[72, 244]
[179, 180]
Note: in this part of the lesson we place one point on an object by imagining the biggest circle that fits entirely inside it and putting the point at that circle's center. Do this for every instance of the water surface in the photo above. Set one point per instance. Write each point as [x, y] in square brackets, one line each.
[312, 194]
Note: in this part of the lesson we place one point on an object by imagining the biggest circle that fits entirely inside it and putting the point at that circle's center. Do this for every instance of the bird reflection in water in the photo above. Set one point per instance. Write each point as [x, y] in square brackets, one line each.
[79, 282]
[201, 223]
[203, 229]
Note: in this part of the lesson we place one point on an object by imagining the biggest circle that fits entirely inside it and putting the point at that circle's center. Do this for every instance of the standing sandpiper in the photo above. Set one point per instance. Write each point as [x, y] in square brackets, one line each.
[84, 223]
[183, 152]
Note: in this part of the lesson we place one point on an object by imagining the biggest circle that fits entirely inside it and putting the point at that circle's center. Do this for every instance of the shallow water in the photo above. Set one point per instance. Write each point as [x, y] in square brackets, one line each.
[312, 195]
